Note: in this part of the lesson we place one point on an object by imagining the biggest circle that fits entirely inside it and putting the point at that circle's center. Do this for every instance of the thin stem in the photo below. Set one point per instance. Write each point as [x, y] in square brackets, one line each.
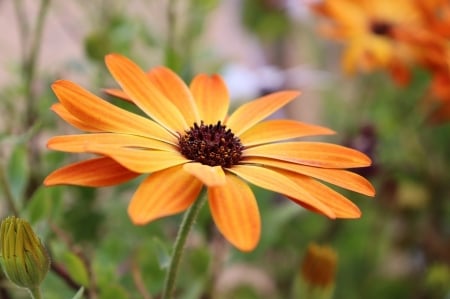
[171, 20]
[23, 25]
[35, 293]
[64, 275]
[7, 191]
[185, 227]
[29, 64]
[171, 28]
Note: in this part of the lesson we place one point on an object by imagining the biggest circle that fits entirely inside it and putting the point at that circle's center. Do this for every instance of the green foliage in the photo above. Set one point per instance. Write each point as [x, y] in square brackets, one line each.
[76, 268]
[79, 294]
[82, 209]
[114, 291]
[45, 202]
[18, 169]
[162, 253]
[267, 19]
[396, 250]
[117, 35]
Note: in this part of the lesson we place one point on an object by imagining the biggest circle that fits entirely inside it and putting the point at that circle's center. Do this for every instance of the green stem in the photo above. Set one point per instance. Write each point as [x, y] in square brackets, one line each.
[185, 227]
[29, 63]
[35, 293]
[170, 59]
[7, 191]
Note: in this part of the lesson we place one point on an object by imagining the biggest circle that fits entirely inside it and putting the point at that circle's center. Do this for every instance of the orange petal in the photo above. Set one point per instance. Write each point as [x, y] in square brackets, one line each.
[104, 116]
[277, 182]
[235, 212]
[138, 160]
[144, 93]
[209, 175]
[78, 143]
[341, 206]
[163, 193]
[98, 172]
[118, 93]
[342, 178]
[211, 96]
[247, 115]
[176, 91]
[280, 129]
[316, 154]
[62, 112]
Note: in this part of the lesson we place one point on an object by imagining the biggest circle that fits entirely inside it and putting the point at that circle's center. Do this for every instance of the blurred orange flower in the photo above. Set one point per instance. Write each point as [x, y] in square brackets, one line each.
[395, 35]
[431, 40]
[365, 27]
[188, 141]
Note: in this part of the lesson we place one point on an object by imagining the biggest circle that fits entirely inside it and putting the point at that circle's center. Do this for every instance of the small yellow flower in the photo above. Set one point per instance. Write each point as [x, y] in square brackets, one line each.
[22, 255]
[189, 141]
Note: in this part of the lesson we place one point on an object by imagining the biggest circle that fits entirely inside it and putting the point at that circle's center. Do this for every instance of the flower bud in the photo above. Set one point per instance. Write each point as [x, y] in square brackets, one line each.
[319, 266]
[23, 257]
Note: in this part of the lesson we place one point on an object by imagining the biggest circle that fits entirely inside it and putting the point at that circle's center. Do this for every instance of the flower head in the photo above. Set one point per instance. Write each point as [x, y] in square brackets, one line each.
[367, 28]
[189, 141]
[23, 257]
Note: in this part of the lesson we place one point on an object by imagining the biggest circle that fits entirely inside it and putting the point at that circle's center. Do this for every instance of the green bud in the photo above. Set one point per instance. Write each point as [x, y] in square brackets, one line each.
[23, 257]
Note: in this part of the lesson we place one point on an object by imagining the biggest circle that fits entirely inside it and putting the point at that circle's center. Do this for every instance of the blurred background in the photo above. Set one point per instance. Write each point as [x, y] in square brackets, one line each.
[375, 71]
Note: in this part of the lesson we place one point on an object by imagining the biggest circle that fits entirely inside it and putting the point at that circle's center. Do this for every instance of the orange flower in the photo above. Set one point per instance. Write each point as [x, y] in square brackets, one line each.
[432, 44]
[366, 26]
[188, 141]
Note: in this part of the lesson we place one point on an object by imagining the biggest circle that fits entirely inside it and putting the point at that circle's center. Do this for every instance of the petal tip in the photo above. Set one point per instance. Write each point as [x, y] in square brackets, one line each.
[51, 180]
[61, 83]
[246, 247]
[137, 218]
[47, 182]
[114, 58]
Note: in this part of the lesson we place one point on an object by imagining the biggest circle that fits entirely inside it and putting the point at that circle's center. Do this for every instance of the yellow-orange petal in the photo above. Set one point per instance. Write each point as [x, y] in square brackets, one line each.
[339, 177]
[278, 130]
[163, 193]
[209, 175]
[350, 15]
[138, 160]
[118, 93]
[62, 112]
[97, 172]
[211, 95]
[247, 115]
[176, 91]
[78, 143]
[277, 182]
[144, 93]
[316, 154]
[235, 212]
[104, 116]
[340, 205]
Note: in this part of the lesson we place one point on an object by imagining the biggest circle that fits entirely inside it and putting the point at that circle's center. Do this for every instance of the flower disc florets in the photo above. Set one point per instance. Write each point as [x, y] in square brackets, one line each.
[212, 145]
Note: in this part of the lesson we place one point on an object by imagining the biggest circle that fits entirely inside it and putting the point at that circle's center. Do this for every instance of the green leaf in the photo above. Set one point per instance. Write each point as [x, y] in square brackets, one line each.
[76, 268]
[79, 293]
[114, 291]
[18, 170]
[44, 202]
[162, 253]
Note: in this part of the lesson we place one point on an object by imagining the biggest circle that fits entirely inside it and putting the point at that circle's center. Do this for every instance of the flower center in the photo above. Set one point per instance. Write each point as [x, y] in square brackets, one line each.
[212, 145]
[381, 27]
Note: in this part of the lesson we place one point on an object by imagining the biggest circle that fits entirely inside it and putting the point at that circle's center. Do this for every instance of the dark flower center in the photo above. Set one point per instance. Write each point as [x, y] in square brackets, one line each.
[212, 145]
[381, 27]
